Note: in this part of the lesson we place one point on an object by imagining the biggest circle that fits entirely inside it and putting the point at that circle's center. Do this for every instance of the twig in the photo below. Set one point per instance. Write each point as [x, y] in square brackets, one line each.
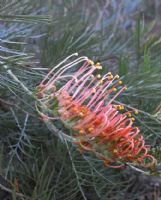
[137, 169]
[75, 171]
[3, 102]
[2, 187]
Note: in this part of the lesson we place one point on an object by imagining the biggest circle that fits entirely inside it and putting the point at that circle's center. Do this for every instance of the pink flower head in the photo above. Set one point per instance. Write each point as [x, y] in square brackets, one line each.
[85, 102]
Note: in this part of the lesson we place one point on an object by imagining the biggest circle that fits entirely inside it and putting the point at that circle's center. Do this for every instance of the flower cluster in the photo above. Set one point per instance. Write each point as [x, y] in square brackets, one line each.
[85, 102]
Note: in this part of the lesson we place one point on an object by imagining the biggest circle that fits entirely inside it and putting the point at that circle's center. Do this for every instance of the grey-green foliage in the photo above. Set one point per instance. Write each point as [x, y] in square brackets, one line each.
[36, 35]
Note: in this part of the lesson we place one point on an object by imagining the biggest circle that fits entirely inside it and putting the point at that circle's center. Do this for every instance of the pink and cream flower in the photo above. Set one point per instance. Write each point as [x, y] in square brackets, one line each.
[84, 101]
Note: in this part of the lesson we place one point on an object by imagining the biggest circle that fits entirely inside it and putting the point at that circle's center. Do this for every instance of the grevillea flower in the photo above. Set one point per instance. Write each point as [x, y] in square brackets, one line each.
[84, 101]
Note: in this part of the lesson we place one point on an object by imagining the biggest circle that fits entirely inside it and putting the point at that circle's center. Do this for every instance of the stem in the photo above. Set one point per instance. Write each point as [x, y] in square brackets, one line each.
[9, 190]
[76, 173]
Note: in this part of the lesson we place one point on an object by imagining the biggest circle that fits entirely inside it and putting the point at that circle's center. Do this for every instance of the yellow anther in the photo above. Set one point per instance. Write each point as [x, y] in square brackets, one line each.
[114, 89]
[82, 110]
[120, 82]
[118, 107]
[129, 115]
[115, 150]
[98, 76]
[109, 73]
[101, 81]
[133, 119]
[125, 88]
[98, 64]
[117, 76]
[90, 129]
[90, 62]
[122, 107]
[136, 112]
[110, 77]
[81, 131]
[81, 114]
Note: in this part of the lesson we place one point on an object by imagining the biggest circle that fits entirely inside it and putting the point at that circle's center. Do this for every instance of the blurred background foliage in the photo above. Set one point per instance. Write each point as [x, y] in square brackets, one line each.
[124, 35]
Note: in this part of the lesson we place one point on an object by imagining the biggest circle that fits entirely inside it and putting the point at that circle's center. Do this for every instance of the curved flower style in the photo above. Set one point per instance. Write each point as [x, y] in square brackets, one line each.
[85, 102]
